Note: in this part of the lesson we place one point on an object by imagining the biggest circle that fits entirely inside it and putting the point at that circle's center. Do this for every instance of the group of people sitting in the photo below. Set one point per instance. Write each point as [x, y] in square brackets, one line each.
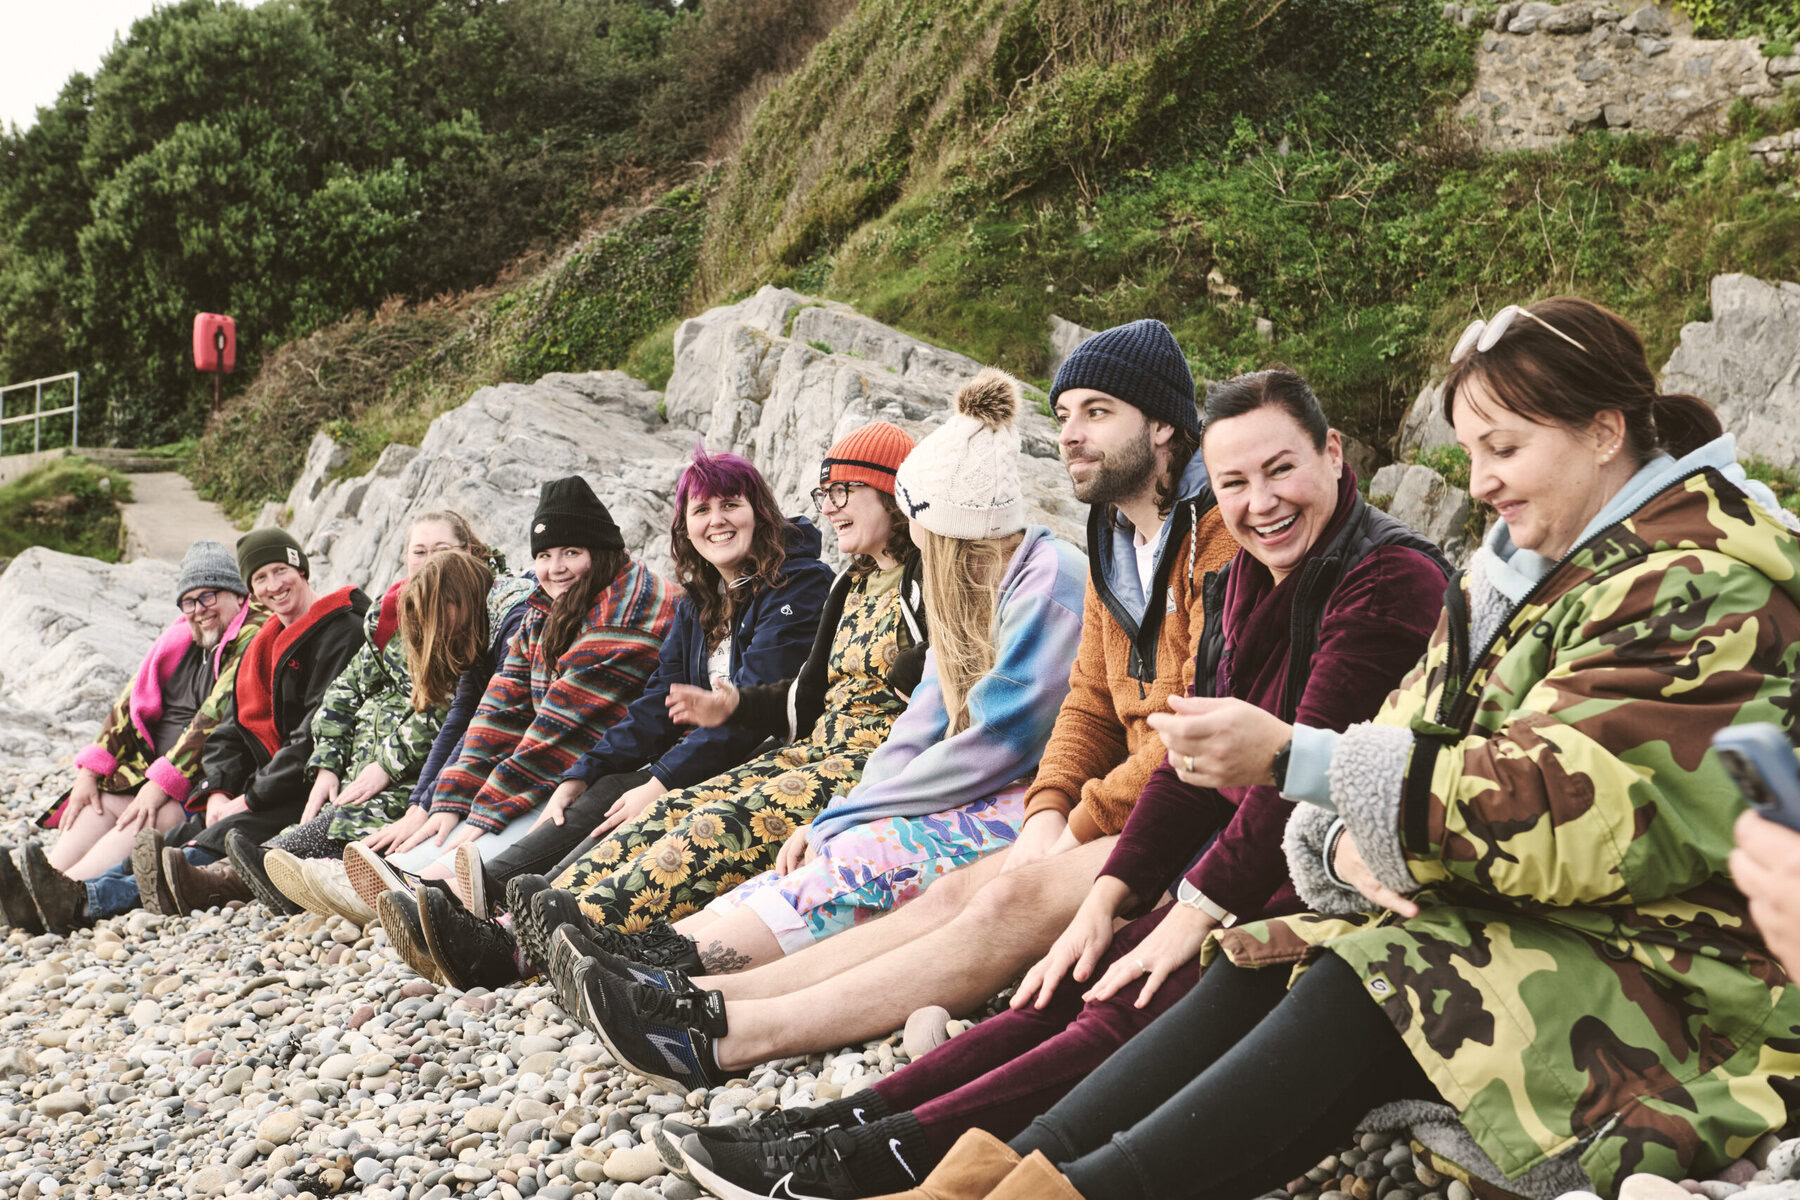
[1282, 824]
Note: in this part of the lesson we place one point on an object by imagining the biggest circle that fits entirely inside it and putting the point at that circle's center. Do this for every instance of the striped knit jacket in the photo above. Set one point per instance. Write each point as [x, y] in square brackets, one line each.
[537, 718]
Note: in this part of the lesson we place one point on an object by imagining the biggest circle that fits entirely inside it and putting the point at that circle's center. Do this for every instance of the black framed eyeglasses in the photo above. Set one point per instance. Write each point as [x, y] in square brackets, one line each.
[198, 601]
[838, 493]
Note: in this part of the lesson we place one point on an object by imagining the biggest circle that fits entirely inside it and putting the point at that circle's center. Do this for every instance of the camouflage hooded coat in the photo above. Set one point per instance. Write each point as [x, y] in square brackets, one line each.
[366, 717]
[1583, 984]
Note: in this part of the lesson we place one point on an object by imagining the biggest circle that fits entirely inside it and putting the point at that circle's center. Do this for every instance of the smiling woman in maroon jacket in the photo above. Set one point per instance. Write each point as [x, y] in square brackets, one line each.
[1326, 605]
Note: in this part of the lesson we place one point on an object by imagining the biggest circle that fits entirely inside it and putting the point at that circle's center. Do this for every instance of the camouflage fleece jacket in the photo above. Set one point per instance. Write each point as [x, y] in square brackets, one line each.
[366, 716]
[1583, 984]
[122, 755]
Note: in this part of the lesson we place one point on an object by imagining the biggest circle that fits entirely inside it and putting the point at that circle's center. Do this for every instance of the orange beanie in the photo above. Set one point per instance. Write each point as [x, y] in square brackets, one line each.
[868, 455]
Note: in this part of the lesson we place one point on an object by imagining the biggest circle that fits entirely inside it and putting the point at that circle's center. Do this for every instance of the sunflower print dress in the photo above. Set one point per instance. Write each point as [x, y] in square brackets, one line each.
[699, 842]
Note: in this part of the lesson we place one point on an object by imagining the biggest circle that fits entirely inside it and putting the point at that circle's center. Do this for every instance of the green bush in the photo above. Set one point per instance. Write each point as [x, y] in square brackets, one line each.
[71, 505]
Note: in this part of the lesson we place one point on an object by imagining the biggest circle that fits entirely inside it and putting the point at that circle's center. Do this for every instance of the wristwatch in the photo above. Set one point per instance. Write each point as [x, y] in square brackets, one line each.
[1197, 900]
[1278, 768]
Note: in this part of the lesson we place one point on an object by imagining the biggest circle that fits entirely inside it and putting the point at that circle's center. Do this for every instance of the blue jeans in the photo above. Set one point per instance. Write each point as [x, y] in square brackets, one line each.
[115, 891]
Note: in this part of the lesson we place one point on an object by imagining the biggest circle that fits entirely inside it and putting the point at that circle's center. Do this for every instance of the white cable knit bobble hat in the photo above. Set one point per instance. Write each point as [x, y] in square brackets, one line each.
[962, 480]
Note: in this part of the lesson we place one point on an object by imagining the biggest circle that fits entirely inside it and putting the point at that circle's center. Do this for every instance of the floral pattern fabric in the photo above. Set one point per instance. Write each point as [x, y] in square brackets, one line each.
[699, 842]
[875, 866]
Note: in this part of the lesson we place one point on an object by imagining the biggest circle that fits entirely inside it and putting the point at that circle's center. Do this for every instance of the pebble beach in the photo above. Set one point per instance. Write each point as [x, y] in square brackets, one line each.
[235, 1053]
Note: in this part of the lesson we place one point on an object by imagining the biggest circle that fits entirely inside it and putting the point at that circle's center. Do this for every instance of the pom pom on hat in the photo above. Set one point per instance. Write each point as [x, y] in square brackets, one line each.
[962, 480]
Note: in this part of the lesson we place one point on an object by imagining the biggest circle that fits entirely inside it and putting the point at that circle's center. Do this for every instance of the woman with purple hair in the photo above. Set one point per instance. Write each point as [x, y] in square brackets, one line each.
[754, 589]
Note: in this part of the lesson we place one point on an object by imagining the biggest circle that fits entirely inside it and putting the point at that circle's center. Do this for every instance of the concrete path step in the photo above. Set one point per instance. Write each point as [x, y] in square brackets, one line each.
[164, 517]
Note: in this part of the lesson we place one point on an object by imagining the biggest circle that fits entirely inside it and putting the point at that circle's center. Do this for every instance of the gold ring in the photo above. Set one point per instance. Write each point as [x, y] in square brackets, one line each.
[1188, 761]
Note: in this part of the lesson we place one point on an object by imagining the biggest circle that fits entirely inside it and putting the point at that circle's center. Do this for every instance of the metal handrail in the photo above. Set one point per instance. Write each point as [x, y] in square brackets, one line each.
[37, 413]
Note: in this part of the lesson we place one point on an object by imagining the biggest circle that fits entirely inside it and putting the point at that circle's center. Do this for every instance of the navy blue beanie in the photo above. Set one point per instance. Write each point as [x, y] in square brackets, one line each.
[1140, 364]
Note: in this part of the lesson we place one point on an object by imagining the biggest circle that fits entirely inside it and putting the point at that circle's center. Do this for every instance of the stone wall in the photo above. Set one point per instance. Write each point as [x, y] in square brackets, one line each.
[1546, 71]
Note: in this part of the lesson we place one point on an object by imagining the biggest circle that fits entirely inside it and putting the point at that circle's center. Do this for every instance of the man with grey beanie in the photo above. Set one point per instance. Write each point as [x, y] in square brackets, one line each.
[141, 770]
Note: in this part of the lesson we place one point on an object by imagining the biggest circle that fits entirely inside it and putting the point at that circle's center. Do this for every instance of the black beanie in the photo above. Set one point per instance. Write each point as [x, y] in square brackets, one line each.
[569, 514]
[1140, 364]
[260, 547]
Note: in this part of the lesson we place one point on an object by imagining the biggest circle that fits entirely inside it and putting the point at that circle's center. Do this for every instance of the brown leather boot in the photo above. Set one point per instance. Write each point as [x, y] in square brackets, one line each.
[197, 889]
[1035, 1179]
[978, 1163]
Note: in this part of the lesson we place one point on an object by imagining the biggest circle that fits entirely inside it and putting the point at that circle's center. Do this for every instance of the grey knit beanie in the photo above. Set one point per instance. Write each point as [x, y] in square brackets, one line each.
[1139, 363]
[208, 565]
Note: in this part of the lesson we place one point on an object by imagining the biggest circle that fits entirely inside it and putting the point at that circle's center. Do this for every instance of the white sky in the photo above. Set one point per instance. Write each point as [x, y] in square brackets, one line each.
[43, 42]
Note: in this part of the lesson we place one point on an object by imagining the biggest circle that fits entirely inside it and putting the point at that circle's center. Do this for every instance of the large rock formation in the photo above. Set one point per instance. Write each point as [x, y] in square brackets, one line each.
[777, 378]
[1547, 71]
[486, 460]
[780, 376]
[1746, 362]
[72, 630]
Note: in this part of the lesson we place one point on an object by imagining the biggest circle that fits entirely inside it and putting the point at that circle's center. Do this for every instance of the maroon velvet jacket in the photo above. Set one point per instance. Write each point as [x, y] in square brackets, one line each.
[1375, 626]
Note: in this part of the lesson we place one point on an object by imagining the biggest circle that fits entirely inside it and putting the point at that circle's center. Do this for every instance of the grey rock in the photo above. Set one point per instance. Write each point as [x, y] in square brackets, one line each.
[1647, 19]
[1529, 16]
[1745, 361]
[1784, 1161]
[1569, 18]
[1593, 70]
[1066, 335]
[1421, 498]
[58, 1104]
[1424, 427]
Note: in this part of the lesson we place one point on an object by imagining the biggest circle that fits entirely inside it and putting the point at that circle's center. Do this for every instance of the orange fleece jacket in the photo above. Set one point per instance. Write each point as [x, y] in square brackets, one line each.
[1102, 751]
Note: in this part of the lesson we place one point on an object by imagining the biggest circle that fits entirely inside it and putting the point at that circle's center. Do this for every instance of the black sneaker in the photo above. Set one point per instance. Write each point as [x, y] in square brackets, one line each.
[666, 1037]
[582, 945]
[864, 1108]
[247, 856]
[61, 901]
[15, 898]
[538, 910]
[471, 951]
[814, 1164]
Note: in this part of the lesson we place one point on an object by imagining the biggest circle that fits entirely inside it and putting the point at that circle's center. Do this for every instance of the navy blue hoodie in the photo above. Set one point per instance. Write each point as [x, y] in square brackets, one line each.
[769, 642]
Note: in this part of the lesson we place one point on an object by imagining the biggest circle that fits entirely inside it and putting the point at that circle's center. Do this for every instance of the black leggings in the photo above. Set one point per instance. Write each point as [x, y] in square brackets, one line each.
[550, 847]
[1240, 1087]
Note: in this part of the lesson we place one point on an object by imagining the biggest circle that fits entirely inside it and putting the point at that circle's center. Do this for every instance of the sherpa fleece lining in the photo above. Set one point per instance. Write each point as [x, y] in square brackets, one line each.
[1368, 780]
[1305, 841]
[1437, 1128]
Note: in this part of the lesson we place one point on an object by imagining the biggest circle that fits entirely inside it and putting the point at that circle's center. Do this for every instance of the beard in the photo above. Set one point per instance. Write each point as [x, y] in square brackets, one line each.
[208, 638]
[1120, 474]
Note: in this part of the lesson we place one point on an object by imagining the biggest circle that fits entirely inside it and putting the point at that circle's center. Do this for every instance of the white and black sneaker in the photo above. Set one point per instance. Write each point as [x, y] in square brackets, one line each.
[666, 1037]
[841, 1163]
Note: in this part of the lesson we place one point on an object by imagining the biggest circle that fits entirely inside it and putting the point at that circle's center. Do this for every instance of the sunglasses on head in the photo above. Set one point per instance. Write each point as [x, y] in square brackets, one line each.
[1484, 335]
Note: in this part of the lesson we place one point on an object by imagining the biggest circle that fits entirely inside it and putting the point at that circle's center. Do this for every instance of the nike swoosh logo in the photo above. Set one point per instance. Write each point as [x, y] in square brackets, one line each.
[858, 1114]
[894, 1149]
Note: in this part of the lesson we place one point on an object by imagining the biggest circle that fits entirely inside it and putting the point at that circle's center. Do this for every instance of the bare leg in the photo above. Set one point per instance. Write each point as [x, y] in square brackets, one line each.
[1002, 930]
[736, 941]
[114, 847]
[827, 960]
[75, 838]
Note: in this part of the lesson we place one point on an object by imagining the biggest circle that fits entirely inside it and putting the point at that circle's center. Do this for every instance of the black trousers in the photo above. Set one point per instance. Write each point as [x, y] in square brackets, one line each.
[1240, 1087]
[550, 847]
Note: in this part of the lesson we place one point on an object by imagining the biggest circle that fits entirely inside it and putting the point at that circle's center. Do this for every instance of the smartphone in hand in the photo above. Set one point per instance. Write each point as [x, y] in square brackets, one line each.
[1761, 761]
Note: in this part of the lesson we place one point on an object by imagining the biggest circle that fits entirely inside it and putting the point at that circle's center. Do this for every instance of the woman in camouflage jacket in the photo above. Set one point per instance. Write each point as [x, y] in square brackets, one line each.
[1566, 986]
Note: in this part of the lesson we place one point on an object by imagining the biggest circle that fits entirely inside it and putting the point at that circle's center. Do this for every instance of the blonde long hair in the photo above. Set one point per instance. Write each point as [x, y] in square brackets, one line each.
[444, 621]
[962, 595]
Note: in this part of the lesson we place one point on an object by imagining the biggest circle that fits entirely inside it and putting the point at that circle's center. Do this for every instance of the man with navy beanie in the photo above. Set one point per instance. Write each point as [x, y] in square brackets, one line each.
[1130, 438]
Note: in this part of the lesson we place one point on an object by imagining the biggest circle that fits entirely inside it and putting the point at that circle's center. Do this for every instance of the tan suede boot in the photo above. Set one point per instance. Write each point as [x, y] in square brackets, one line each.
[1035, 1179]
[975, 1166]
